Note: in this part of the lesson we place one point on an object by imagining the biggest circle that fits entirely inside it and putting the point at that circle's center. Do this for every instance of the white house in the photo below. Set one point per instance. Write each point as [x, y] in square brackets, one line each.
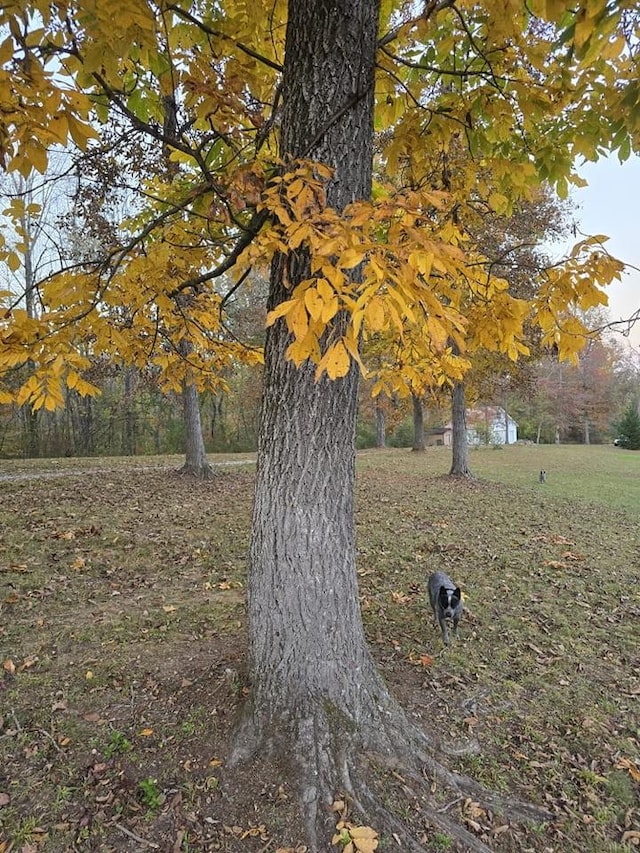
[485, 425]
[491, 425]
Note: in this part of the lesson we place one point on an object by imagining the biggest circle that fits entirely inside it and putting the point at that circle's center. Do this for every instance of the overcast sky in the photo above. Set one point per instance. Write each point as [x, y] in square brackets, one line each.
[611, 205]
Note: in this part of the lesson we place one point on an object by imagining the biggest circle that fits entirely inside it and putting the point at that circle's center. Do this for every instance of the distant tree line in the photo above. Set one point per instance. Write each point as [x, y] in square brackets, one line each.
[558, 402]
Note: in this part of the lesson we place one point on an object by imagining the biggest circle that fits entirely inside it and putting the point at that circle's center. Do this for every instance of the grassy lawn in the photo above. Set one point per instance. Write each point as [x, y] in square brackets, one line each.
[601, 474]
[122, 644]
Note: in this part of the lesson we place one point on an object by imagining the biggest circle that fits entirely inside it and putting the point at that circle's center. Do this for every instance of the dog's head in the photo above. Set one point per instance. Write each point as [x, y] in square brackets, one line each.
[449, 601]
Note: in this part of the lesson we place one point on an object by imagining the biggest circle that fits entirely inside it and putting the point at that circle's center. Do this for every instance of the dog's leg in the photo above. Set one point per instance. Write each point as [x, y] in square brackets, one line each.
[445, 633]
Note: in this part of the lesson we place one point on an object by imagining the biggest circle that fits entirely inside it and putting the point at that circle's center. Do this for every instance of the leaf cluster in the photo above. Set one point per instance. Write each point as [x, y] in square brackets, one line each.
[475, 109]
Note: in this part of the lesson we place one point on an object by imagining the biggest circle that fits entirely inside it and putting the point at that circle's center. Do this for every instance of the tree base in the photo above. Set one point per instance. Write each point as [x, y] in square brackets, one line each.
[339, 771]
[198, 472]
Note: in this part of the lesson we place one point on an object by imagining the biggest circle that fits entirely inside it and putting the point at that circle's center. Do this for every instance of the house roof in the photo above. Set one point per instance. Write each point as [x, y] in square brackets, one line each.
[482, 414]
[479, 416]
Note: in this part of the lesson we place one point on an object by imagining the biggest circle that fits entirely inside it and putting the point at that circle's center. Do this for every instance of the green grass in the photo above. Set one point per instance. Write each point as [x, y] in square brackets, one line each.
[599, 474]
[136, 576]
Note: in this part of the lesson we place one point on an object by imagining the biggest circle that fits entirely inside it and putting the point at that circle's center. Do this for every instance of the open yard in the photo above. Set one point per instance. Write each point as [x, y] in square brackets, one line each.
[122, 645]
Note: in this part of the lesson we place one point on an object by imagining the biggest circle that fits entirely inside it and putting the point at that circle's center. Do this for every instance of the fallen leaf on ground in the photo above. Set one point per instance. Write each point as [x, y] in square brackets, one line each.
[630, 766]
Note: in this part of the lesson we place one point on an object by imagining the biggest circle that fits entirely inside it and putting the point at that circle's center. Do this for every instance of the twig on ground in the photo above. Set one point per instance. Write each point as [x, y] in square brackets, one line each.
[137, 837]
[52, 739]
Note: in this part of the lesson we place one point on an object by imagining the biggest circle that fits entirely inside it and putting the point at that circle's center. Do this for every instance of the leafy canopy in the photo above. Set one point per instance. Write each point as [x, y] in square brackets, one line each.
[477, 104]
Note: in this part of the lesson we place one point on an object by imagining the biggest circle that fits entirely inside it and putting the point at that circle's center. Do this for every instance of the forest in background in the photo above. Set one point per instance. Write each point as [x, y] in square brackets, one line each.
[133, 416]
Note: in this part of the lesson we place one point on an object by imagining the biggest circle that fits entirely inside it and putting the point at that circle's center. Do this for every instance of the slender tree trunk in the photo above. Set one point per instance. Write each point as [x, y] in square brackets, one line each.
[418, 423]
[30, 418]
[381, 429]
[30, 432]
[587, 431]
[459, 443]
[129, 427]
[196, 462]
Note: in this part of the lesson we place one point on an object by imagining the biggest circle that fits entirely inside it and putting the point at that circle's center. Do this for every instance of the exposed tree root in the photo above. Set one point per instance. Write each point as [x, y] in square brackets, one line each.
[369, 804]
[198, 472]
[462, 474]
[325, 755]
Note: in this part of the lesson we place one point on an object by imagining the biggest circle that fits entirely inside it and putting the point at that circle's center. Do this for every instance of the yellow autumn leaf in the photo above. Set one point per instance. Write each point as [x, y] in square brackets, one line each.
[364, 838]
[422, 262]
[437, 332]
[351, 258]
[314, 303]
[630, 766]
[298, 319]
[374, 314]
[279, 311]
[13, 261]
[301, 350]
[335, 362]
[329, 310]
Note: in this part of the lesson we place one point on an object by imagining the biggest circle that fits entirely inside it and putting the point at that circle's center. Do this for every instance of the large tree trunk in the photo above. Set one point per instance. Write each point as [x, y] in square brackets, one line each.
[317, 701]
[306, 636]
[459, 443]
[418, 423]
[313, 679]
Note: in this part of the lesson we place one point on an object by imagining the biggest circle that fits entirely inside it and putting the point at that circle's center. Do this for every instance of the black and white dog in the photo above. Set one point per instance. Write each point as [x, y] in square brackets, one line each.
[446, 601]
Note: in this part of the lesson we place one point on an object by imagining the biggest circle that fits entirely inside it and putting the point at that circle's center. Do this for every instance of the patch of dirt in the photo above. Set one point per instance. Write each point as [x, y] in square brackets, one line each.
[122, 646]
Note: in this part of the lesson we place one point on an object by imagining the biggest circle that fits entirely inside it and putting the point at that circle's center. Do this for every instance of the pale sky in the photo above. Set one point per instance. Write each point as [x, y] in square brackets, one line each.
[611, 205]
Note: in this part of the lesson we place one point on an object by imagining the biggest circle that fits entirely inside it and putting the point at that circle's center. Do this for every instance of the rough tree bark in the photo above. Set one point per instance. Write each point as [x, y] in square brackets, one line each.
[317, 700]
[459, 444]
[418, 423]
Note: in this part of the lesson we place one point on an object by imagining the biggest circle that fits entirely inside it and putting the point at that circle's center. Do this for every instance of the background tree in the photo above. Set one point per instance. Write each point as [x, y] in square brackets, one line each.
[418, 423]
[629, 427]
